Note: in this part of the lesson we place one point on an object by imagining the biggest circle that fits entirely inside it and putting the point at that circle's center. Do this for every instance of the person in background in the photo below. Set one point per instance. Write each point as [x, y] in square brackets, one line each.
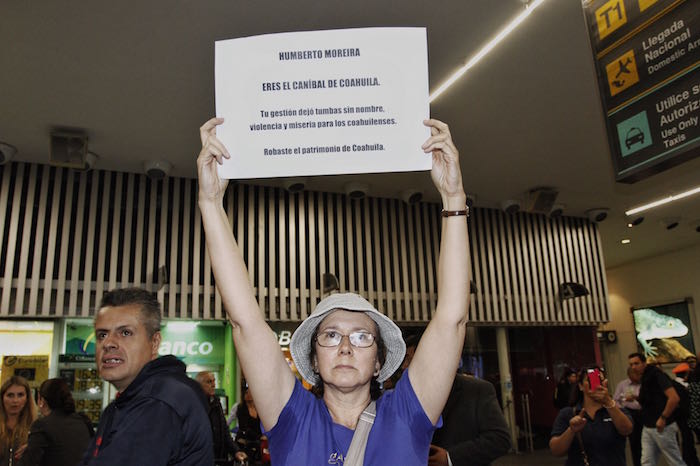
[159, 416]
[249, 436]
[626, 394]
[221, 437]
[592, 431]
[694, 396]
[680, 373]
[680, 383]
[565, 388]
[17, 412]
[474, 431]
[659, 401]
[60, 436]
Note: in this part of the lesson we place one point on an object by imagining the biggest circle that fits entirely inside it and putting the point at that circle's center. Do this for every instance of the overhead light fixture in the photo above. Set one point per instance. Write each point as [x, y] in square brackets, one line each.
[157, 169]
[411, 196]
[295, 185]
[90, 161]
[510, 206]
[626, 241]
[181, 326]
[356, 191]
[663, 201]
[635, 222]
[671, 223]
[529, 8]
[7, 152]
[557, 211]
[597, 215]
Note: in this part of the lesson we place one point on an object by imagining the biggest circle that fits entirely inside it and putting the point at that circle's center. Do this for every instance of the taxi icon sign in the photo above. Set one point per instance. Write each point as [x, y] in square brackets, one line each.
[634, 136]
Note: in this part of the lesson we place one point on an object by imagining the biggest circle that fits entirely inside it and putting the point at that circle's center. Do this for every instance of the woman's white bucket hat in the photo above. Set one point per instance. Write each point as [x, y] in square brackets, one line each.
[300, 345]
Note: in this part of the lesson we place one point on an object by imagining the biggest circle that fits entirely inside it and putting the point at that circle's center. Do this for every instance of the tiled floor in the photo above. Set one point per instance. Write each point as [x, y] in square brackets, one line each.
[537, 458]
[545, 458]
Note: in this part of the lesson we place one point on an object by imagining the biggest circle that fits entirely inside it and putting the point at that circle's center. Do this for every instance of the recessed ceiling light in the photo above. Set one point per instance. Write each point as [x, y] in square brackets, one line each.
[626, 241]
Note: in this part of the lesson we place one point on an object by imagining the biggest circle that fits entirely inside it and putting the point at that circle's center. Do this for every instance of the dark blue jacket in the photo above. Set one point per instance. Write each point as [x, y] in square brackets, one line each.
[160, 419]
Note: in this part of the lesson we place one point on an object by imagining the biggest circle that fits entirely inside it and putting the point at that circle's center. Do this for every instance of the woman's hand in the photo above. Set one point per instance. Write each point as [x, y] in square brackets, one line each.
[446, 172]
[211, 187]
[20, 451]
[601, 394]
[578, 422]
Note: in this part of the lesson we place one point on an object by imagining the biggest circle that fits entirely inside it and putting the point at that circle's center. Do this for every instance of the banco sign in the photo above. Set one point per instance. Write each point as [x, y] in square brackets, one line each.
[184, 348]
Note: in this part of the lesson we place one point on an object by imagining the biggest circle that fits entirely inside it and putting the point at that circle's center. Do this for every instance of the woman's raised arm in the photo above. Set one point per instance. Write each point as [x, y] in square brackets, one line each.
[435, 362]
[267, 372]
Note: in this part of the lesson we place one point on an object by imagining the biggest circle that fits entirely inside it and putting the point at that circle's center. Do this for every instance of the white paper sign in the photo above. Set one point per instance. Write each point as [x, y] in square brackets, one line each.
[323, 102]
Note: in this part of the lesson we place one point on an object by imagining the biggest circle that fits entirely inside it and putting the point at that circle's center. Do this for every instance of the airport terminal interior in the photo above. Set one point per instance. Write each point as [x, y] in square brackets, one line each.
[577, 124]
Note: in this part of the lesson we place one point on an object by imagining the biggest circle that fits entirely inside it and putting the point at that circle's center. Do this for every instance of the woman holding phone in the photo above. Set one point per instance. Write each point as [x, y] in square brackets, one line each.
[591, 432]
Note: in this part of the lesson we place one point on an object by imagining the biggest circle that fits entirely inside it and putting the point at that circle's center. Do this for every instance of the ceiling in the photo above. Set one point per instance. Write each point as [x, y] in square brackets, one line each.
[138, 77]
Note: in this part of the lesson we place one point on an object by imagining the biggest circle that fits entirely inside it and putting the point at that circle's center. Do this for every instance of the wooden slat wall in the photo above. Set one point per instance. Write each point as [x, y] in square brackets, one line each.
[68, 237]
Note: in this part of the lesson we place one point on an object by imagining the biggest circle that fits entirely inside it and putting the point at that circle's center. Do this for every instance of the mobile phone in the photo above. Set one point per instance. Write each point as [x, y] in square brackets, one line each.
[594, 378]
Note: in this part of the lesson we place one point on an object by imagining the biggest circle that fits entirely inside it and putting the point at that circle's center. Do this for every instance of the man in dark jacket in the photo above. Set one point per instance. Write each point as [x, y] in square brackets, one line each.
[159, 416]
[221, 436]
[474, 431]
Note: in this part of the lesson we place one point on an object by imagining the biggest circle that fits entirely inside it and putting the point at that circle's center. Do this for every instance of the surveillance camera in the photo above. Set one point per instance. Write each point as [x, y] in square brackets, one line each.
[671, 222]
[557, 211]
[598, 214]
[90, 161]
[356, 191]
[7, 152]
[510, 206]
[294, 185]
[411, 196]
[157, 169]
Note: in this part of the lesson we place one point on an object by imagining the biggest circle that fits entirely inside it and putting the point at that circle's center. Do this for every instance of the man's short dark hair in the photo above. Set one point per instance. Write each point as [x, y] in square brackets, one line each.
[637, 355]
[412, 340]
[150, 307]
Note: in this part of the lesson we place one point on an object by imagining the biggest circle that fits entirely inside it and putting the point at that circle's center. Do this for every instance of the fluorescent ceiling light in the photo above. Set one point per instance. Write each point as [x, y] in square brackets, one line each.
[663, 201]
[487, 48]
[626, 241]
[181, 326]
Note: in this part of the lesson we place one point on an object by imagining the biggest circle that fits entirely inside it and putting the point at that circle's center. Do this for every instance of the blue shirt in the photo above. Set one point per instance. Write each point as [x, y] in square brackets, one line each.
[305, 432]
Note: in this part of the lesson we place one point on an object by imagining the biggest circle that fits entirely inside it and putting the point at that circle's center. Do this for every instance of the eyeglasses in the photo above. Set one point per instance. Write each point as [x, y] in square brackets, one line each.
[331, 338]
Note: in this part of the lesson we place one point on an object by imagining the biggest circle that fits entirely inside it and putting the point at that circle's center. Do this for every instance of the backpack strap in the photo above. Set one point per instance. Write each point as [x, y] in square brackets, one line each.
[356, 452]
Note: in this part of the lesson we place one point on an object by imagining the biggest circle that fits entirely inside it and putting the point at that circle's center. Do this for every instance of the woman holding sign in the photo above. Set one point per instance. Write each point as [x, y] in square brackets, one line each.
[345, 347]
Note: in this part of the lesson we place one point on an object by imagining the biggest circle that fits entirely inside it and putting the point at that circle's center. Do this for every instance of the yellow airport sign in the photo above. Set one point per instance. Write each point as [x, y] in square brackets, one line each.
[644, 4]
[622, 73]
[610, 16]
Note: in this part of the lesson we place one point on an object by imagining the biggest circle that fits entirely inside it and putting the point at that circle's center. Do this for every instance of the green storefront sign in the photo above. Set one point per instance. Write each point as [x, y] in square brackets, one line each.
[196, 344]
